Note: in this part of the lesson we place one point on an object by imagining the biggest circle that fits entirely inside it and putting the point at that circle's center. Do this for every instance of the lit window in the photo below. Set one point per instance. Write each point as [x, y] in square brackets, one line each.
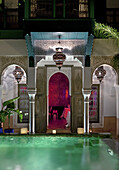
[41, 8]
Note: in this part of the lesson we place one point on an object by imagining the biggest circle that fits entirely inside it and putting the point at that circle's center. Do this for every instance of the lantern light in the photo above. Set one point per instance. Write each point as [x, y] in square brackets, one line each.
[18, 73]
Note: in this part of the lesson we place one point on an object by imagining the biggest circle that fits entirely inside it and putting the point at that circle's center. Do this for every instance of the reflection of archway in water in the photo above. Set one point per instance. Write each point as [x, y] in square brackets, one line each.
[59, 99]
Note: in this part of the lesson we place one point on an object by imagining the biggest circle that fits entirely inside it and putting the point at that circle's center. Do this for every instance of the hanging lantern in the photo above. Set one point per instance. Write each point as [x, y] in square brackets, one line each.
[100, 73]
[18, 73]
[59, 57]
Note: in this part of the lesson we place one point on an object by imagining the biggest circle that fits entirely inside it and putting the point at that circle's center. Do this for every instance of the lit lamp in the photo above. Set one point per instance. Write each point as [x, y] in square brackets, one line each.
[100, 73]
[59, 57]
[54, 131]
[18, 73]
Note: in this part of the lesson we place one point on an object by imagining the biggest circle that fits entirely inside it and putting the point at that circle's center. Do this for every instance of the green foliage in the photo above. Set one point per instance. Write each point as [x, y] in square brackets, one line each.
[8, 109]
[105, 31]
[10, 101]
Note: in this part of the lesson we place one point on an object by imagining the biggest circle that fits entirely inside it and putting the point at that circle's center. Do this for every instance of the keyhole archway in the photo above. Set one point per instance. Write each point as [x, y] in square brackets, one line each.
[59, 99]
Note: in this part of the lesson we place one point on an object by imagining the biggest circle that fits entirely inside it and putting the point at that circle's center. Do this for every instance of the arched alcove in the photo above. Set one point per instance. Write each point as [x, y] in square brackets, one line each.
[59, 99]
[9, 82]
[11, 89]
[107, 99]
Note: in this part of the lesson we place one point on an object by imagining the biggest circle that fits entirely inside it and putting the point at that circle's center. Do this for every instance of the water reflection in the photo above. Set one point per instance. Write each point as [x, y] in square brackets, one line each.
[56, 153]
[17, 167]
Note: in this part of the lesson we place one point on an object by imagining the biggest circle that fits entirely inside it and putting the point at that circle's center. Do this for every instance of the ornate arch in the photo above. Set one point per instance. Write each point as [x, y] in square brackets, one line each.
[66, 71]
[21, 61]
[96, 61]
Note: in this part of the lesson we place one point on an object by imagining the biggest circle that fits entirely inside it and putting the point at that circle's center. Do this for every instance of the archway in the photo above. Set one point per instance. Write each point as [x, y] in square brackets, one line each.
[11, 89]
[59, 102]
[106, 100]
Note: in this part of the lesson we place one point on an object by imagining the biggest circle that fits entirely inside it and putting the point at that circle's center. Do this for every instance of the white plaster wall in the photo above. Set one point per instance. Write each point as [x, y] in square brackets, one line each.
[112, 3]
[109, 93]
[117, 101]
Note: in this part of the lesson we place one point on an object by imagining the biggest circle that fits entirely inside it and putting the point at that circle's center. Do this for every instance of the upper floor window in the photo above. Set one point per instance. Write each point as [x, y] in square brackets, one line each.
[11, 14]
[76, 8]
[59, 8]
[11, 4]
[41, 8]
[72, 8]
[83, 8]
[112, 17]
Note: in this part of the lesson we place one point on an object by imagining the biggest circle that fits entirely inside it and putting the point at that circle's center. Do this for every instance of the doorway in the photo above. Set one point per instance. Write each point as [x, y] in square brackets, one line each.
[59, 102]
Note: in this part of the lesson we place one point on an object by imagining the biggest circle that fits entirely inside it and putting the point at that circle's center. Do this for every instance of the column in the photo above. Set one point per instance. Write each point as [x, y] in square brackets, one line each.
[27, 9]
[54, 8]
[86, 94]
[64, 3]
[31, 93]
[91, 9]
[117, 110]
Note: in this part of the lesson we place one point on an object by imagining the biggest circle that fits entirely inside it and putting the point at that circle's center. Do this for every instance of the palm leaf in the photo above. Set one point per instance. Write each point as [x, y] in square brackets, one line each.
[105, 31]
[10, 101]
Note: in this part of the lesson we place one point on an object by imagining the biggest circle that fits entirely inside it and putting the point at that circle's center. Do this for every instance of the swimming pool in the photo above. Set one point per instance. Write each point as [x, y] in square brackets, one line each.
[56, 153]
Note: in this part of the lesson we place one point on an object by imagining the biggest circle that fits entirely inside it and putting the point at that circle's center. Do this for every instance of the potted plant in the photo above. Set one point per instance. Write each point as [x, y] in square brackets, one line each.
[8, 109]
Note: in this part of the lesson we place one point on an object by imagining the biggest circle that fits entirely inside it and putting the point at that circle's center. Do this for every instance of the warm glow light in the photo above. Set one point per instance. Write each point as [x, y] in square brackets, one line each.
[90, 130]
[80, 130]
[53, 131]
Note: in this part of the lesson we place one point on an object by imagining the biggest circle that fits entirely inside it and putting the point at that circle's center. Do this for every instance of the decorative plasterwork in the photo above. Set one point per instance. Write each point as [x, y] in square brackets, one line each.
[70, 47]
[5, 61]
[64, 70]
[96, 61]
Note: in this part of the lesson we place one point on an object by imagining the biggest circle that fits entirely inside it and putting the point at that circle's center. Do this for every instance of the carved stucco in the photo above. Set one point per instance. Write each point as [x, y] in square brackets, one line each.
[96, 61]
[5, 61]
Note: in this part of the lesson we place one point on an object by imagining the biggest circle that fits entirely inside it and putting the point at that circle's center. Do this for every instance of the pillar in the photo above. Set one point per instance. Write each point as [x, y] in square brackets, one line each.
[86, 94]
[27, 9]
[54, 8]
[31, 93]
[117, 110]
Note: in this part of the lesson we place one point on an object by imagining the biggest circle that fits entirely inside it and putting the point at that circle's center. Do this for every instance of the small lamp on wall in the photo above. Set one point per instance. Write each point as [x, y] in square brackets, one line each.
[100, 73]
[18, 73]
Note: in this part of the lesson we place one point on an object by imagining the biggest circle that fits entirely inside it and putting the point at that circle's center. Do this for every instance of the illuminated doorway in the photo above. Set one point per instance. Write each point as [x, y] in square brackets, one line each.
[59, 102]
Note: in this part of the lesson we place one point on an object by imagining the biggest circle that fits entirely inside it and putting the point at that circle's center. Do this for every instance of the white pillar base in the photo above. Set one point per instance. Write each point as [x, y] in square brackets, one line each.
[31, 93]
[86, 94]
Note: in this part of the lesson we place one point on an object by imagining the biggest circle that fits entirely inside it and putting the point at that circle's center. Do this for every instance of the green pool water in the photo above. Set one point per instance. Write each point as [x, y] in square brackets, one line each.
[56, 153]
